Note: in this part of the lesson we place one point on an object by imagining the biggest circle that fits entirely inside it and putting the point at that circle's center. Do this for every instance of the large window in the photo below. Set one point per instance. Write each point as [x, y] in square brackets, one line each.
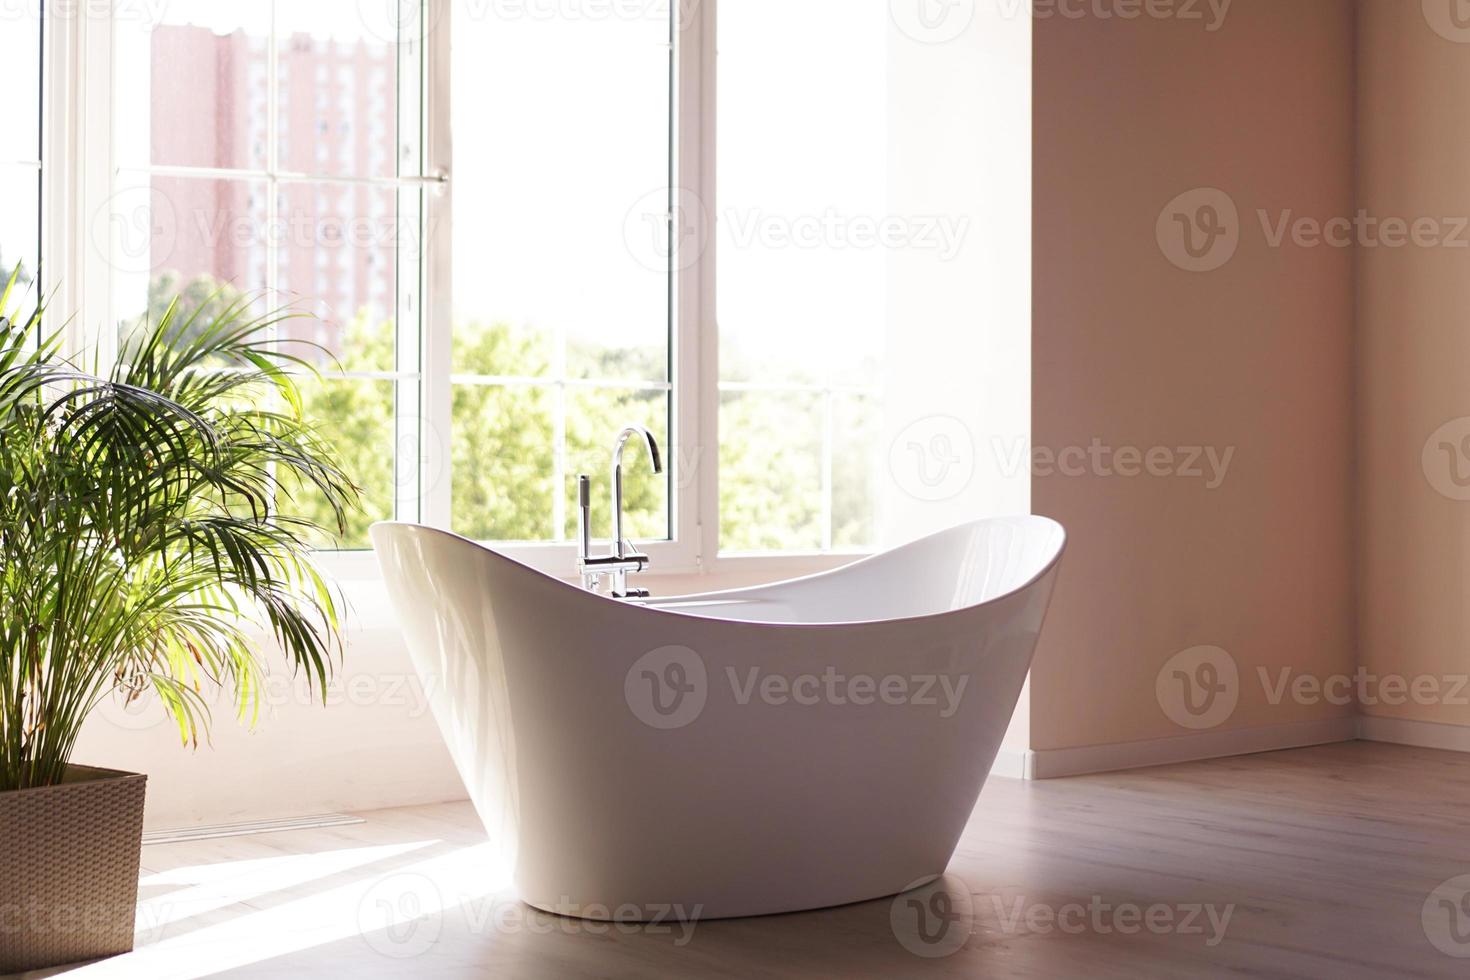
[505, 224]
[20, 154]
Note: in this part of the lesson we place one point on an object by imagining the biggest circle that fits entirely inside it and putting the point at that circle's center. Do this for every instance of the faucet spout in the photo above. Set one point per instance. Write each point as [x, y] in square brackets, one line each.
[619, 545]
[629, 431]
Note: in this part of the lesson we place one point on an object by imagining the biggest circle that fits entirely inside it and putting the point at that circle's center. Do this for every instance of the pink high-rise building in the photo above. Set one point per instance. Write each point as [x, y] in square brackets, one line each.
[334, 241]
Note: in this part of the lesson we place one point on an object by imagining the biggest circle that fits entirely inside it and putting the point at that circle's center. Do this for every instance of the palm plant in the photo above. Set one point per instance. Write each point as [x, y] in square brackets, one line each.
[145, 536]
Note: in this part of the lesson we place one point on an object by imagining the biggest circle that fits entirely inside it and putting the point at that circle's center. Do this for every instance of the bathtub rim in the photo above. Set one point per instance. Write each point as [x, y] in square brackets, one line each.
[722, 594]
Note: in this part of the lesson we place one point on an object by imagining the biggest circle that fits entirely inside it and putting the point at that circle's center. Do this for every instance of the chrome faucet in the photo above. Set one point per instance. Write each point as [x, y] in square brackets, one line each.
[622, 559]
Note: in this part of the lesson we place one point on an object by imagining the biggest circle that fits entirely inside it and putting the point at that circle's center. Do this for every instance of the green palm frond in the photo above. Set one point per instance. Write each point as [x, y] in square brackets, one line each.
[142, 540]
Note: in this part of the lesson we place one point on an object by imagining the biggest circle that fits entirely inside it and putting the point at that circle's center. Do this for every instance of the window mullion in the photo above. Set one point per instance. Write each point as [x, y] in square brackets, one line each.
[696, 376]
[436, 269]
[78, 180]
[559, 438]
[827, 440]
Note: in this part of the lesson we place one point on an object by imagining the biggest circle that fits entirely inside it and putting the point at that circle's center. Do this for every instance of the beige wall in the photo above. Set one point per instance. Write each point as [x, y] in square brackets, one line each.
[1414, 372]
[1257, 355]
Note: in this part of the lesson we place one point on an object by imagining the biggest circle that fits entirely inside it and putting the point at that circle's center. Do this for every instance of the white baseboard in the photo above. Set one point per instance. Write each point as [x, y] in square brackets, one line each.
[1423, 734]
[1012, 764]
[248, 828]
[1192, 747]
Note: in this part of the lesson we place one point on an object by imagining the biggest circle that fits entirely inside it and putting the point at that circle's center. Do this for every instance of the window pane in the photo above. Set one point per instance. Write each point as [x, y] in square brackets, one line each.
[20, 81]
[337, 86]
[192, 86]
[20, 189]
[594, 415]
[201, 239]
[593, 358]
[357, 417]
[802, 187]
[804, 245]
[561, 134]
[503, 462]
[337, 260]
[770, 471]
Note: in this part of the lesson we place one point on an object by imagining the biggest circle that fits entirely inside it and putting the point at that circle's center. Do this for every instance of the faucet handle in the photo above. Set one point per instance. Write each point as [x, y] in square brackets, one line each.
[584, 517]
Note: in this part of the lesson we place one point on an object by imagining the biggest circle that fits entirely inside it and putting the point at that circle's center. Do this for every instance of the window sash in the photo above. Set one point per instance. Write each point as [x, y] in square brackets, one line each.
[689, 468]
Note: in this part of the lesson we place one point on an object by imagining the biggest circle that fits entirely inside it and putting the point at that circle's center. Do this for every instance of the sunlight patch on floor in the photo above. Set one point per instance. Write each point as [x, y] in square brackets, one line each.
[233, 914]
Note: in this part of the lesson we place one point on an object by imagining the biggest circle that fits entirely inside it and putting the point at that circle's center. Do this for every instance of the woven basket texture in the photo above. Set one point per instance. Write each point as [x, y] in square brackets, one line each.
[69, 869]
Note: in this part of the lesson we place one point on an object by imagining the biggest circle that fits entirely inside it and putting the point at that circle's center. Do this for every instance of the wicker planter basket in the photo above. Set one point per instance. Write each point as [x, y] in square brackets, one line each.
[69, 868]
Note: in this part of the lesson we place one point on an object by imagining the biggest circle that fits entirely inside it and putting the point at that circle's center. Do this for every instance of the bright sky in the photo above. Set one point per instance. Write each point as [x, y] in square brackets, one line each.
[802, 119]
[560, 131]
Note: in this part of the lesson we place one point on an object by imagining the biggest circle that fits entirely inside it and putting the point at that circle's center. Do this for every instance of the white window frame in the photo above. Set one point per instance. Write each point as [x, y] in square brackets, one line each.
[38, 151]
[77, 179]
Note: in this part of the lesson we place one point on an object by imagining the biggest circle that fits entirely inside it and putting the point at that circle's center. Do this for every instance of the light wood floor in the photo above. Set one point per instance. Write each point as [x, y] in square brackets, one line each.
[1325, 858]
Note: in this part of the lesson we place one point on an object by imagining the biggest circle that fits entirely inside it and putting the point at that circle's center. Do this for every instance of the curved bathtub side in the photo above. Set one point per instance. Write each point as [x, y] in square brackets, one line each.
[653, 762]
[440, 590]
[947, 571]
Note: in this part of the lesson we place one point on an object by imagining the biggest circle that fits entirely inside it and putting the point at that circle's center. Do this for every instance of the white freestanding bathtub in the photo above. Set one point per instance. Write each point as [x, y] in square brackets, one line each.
[793, 746]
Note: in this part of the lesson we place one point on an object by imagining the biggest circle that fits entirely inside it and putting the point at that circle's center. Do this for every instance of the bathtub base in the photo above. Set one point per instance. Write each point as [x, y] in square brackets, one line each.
[671, 912]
